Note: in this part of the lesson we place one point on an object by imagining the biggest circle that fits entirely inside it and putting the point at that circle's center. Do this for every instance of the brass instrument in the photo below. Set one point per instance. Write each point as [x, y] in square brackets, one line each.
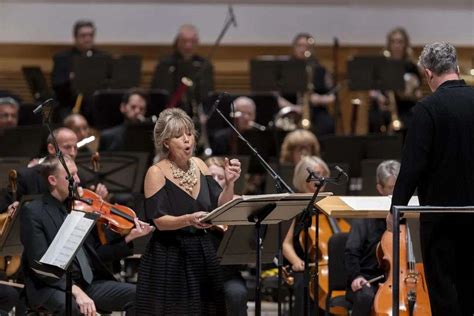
[306, 112]
[395, 122]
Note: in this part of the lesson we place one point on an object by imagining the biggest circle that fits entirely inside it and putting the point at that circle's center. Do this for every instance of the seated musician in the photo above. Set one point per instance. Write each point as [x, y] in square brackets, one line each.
[133, 109]
[9, 296]
[9, 108]
[94, 287]
[360, 255]
[297, 144]
[292, 249]
[303, 49]
[79, 125]
[30, 181]
[224, 141]
[235, 289]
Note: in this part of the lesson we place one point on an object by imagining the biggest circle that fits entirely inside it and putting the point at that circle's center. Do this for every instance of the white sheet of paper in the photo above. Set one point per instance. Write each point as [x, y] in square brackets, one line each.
[373, 203]
[67, 240]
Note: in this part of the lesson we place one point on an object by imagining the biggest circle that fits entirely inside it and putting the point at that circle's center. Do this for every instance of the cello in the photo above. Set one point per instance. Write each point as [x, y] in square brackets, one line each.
[327, 227]
[414, 299]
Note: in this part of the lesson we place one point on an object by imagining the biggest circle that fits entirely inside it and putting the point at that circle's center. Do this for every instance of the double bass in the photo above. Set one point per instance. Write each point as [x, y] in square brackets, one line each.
[414, 299]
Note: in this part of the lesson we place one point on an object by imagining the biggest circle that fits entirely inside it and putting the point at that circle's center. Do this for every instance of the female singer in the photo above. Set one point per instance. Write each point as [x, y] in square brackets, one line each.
[179, 272]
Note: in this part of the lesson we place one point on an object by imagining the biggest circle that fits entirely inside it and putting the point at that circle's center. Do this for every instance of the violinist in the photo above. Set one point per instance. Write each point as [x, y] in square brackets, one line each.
[79, 125]
[30, 181]
[94, 287]
[292, 249]
[360, 255]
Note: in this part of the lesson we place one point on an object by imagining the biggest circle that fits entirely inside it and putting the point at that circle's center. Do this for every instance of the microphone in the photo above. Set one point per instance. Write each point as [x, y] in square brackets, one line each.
[216, 104]
[340, 173]
[40, 107]
[232, 16]
[311, 175]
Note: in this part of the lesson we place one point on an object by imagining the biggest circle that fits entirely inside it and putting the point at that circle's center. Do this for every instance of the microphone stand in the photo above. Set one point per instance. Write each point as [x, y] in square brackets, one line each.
[308, 213]
[281, 186]
[70, 204]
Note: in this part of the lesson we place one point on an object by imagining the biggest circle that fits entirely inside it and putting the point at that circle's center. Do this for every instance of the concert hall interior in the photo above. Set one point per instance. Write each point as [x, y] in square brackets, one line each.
[225, 149]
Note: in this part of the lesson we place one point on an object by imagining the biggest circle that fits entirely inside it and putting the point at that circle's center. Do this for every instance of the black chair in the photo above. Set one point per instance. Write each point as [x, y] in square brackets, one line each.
[337, 279]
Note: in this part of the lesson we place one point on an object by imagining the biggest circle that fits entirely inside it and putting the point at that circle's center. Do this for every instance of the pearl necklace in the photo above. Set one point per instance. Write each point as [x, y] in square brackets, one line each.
[186, 179]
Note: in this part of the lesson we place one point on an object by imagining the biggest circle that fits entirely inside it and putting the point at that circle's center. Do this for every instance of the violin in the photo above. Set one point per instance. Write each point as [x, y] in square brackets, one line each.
[414, 299]
[327, 227]
[118, 218]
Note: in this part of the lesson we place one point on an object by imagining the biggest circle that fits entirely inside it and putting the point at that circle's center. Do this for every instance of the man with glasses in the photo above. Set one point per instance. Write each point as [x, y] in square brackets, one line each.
[9, 108]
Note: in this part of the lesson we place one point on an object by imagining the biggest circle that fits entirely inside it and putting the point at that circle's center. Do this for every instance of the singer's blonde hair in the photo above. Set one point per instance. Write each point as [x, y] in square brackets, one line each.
[300, 174]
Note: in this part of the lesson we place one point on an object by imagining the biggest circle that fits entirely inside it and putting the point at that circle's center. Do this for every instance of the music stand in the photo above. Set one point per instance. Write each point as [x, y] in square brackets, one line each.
[9, 163]
[257, 210]
[283, 75]
[121, 172]
[23, 141]
[375, 73]
[10, 241]
[36, 81]
[90, 73]
[125, 72]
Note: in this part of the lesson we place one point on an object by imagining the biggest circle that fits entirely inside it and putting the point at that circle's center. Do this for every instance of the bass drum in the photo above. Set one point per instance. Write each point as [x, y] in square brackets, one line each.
[288, 118]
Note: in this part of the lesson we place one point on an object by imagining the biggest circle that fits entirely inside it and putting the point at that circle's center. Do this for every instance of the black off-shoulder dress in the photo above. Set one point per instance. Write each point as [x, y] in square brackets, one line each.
[179, 273]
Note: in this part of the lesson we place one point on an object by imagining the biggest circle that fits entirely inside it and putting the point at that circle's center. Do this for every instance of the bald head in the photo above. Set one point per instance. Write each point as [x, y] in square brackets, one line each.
[245, 107]
[67, 142]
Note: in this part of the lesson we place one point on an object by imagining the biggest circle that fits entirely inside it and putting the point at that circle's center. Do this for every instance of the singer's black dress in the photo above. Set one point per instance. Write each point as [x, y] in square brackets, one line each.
[179, 273]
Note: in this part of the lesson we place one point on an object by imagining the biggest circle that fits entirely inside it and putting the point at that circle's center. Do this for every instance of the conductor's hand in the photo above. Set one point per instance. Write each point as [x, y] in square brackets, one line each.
[358, 283]
[231, 170]
[85, 303]
[194, 220]
[141, 229]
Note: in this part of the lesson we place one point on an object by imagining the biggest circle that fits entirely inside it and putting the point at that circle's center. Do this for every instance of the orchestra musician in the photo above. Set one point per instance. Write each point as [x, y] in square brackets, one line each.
[360, 257]
[9, 108]
[94, 287]
[79, 125]
[303, 49]
[84, 45]
[179, 273]
[398, 48]
[297, 144]
[133, 109]
[292, 249]
[437, 161]
[224, 141]
[169, 71]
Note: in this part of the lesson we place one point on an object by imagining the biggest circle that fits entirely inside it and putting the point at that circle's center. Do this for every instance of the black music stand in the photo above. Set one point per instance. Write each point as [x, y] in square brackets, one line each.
[121, 172]
[125, 72]
[282, 75]
[26, 141]
[257, 210]
[168, 77]
[375, 73]
[90, 73]
[37, 83]
[10, 241]
[9, 163]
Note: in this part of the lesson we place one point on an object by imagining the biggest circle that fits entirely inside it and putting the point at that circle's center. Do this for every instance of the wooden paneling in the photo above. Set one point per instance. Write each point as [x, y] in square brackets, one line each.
[230, 62]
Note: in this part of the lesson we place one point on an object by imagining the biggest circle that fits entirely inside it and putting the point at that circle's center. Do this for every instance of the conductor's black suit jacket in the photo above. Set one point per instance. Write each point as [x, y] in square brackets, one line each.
[40, 221]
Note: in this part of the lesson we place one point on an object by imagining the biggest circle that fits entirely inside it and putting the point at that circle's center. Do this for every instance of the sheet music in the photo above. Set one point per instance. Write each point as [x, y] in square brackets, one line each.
[373, 203]
[71, 234]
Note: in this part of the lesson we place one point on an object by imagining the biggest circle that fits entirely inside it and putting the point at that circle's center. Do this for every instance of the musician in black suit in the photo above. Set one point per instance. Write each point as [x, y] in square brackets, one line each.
[438, 161]
[62, 73]
[169, 71]
[133, 108]
[94, 287]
